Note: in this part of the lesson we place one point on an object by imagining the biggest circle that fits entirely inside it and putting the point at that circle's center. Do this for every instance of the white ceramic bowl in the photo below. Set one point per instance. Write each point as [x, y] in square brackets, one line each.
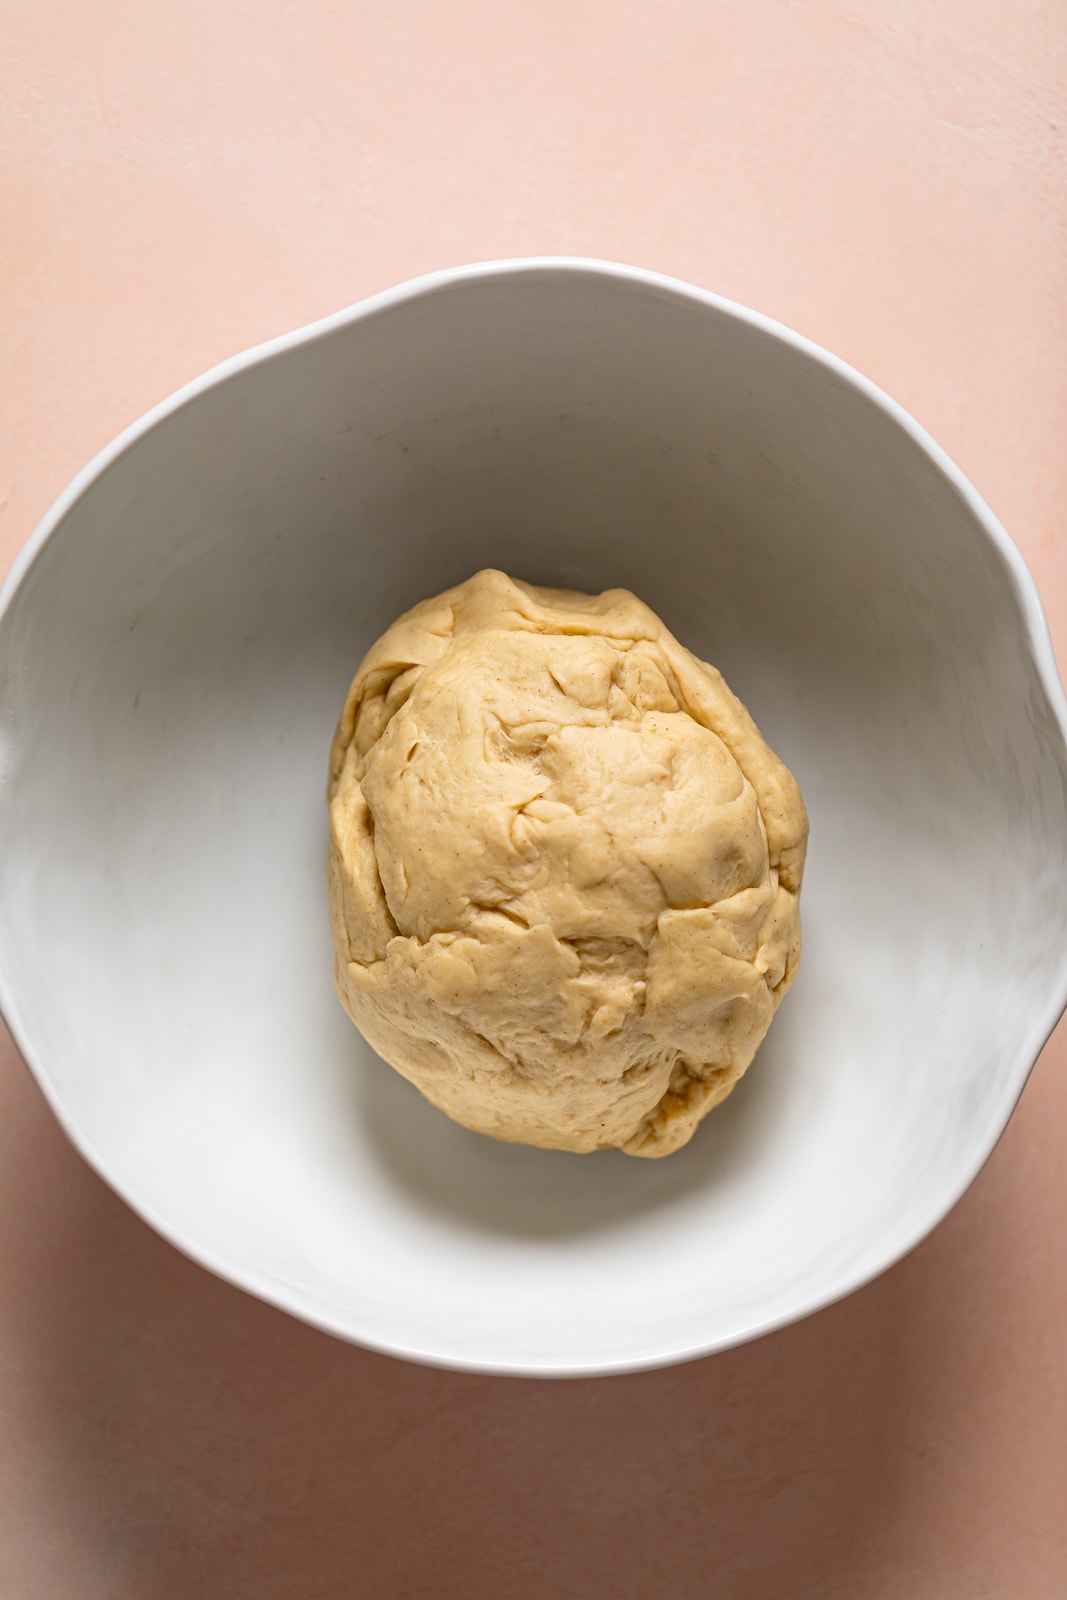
[175, 644]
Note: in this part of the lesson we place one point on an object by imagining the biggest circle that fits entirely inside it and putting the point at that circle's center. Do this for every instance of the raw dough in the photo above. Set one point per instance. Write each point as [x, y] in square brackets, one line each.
[564, 867]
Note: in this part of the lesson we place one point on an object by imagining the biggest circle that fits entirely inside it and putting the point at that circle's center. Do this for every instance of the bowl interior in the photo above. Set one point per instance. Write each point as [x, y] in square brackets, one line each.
[173, 663]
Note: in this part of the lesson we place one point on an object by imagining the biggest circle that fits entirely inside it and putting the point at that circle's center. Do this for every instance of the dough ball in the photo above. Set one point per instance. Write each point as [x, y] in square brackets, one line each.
[564, 867]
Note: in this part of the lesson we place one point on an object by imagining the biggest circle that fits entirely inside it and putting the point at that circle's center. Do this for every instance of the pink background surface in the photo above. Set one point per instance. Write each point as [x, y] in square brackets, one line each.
[180, 181]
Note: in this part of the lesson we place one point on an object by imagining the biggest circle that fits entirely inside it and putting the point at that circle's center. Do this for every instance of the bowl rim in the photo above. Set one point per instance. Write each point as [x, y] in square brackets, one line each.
[1032, 1038]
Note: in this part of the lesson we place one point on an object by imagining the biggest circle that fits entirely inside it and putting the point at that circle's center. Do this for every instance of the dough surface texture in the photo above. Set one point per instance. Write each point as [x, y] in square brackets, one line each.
[564, 867]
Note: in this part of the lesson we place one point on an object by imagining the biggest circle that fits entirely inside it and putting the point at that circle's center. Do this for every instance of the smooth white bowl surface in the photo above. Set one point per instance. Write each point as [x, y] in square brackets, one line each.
[175, 645]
